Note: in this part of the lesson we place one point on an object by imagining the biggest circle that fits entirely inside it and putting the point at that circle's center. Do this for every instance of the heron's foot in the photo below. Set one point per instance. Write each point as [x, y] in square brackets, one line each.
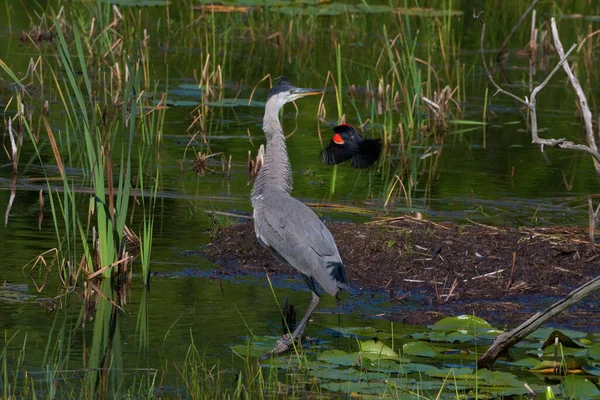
[283, 344]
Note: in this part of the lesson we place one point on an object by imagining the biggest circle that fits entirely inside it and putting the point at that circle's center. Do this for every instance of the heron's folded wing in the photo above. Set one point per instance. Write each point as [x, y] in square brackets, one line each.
[294, 233]
[293, 230]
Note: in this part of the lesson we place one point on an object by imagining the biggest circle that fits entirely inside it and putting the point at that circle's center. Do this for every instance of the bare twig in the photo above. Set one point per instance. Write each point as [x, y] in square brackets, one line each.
[491, 78]
[531, 103]
[498, 272]
[512, 270]
[532, 49]
[514, 29]
[585, 109]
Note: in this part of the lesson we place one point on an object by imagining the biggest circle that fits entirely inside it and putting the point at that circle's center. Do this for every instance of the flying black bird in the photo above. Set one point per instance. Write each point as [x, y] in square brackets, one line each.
[347, 143]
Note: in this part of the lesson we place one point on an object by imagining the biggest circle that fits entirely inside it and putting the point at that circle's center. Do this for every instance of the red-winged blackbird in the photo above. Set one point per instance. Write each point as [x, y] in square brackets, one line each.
[347, 143]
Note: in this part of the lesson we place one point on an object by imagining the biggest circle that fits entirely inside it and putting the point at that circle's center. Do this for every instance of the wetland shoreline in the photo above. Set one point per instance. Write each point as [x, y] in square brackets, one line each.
[448, 269]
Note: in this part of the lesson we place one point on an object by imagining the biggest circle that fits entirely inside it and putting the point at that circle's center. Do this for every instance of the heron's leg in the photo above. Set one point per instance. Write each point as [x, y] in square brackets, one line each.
[284, 345]
[302, 326]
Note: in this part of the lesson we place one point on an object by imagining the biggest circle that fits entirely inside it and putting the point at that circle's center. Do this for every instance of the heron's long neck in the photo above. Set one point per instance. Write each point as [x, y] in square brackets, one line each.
[276, 170]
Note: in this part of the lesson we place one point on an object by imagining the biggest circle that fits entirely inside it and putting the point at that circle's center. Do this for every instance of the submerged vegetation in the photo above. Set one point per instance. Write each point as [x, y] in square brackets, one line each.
[112, 110]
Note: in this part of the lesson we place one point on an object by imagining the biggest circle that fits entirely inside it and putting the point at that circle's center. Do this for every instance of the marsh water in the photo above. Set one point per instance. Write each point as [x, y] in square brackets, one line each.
[492, 176]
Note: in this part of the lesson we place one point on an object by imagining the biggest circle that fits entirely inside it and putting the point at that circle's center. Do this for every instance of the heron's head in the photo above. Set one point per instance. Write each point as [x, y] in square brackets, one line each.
[284, 92]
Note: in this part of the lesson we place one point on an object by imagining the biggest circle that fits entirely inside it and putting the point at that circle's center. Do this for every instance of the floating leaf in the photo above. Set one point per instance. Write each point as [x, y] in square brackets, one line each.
[499, 378]
[339, 357]
[431, 336]
[548, 352]
[366, 332]
[458, 337]
[491, 333]
[549, 367]
[382, 365]
[356, 387]
[528, 362]
[416, 367]
[421, 349]
[457, 373]
[543, 333]
[563, 339]
[401, 384]
[378, 348]
[347, 374]
[465, 323]
[258, 346]
[577, 387]
[593, 352]
[591, 370]
[500, 390]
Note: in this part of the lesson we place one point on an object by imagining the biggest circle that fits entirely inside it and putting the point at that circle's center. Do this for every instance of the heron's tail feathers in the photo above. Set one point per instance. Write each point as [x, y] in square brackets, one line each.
[337, 272]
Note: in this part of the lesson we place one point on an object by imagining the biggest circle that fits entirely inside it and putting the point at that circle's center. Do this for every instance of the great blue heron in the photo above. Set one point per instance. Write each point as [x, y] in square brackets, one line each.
[347, 143]
[286, 226]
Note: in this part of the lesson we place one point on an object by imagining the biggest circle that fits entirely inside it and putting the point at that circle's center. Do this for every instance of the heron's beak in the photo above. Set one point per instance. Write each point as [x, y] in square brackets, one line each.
[302, 92]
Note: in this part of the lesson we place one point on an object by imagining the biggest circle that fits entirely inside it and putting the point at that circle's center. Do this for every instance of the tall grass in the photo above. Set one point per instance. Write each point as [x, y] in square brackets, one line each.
[94, 252]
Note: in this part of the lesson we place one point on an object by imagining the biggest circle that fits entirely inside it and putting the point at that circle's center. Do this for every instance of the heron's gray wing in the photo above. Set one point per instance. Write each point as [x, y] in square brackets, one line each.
[295, 233]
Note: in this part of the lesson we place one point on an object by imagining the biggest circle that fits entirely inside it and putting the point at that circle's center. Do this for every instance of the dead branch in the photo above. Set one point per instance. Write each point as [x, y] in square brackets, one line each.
[514, 29]
[506, 340]
[531, 106]
[585, 109]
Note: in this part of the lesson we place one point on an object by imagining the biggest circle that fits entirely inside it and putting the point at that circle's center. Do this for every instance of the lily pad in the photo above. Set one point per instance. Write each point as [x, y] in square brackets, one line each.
[378, 348]
[549, 366]
[543, 333]
[528, 362]
[382, 365]
[346, 375]
[421, 349]
[463, 323]
[593, 352]
[563, 339]
[421, 368]
[591, 370]
[339, 357]
[454, 373]
[548, 352]
[578, 387]
[256, 347]
[499, 378]
[366, 332]
[356, 387]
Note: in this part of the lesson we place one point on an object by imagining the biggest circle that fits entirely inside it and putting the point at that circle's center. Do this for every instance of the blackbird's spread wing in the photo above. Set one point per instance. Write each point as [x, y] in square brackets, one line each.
[368, 152]
[336, 153]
